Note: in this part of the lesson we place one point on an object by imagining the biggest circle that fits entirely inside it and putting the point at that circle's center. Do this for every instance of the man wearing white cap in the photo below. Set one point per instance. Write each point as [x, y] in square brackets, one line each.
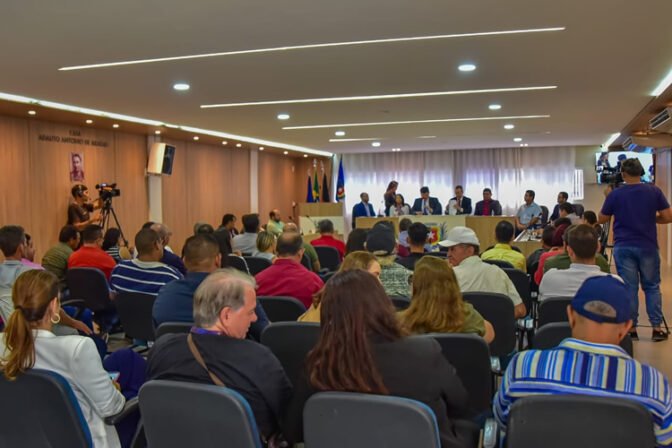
[473, 275]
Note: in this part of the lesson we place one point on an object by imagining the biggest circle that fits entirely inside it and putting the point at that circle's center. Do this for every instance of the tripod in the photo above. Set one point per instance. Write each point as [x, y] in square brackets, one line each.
[106, 211]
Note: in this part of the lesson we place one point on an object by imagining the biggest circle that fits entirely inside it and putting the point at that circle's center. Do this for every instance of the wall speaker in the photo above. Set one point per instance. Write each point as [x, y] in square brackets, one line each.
[161, 158]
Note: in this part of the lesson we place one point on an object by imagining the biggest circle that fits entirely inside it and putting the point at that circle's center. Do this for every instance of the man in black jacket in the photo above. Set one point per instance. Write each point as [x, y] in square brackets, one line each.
[488, 206]
[426, 205]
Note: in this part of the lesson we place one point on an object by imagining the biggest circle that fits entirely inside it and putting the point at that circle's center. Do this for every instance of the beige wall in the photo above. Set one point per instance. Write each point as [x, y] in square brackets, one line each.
[664, 182]
[593, 194]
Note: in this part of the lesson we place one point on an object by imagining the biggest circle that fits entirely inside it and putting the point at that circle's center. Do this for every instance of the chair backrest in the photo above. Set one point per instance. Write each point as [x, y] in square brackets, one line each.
[89, 285]
[257, 264]
[173, 327]
[238, 263]
[353, 420]
[178, 414]
[578, 209]
[328, 257]
[553, 309]
[290, 342]
[41, 410]
[501, 263]
[401, 302]
[306, 262]
[550, 335]
[521, 281]
[470, 356]
[498, 310]
[281, 308]
[560, 421]
[135, 314]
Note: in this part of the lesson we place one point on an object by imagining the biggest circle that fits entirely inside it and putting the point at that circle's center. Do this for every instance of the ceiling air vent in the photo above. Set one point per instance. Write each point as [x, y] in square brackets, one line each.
[662, 122]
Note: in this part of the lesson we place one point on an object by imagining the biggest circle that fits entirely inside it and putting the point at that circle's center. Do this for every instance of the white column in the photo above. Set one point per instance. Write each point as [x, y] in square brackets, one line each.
[154, 188]
[254, 181]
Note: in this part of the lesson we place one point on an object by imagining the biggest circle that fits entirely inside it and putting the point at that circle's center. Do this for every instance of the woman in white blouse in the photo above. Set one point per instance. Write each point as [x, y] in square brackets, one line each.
[33, 345]
[399, 208]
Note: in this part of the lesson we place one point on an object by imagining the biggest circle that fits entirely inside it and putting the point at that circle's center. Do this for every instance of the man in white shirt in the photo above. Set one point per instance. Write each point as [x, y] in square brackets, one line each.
[473, 275]
[582, 245]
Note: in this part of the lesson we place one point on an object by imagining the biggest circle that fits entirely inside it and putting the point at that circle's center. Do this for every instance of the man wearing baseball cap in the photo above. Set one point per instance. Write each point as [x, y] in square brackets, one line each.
[473, 275]
[591, 361]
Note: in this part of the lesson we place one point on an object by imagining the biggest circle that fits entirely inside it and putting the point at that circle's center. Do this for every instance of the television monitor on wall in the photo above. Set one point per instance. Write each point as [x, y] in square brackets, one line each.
[608, 166]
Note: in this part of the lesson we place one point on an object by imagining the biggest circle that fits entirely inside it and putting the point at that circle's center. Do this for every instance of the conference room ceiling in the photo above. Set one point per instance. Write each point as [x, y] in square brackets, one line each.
[605, 63]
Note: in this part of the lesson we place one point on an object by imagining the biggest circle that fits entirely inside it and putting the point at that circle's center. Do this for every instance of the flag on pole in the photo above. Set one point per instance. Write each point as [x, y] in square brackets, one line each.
[340, 183]
[326, 197]
[316, 188]
[309, 194]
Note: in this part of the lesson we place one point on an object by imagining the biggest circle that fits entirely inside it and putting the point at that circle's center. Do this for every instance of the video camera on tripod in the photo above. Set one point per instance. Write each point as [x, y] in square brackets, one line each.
[108, 191]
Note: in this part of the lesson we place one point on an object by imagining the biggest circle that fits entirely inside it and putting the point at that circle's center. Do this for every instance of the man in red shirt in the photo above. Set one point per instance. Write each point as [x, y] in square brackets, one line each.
[326, 229]
[91, 254]
[287, 276]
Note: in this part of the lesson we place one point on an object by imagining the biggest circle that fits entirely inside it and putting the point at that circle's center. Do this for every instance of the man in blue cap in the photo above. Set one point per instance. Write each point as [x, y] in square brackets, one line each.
[591, 361]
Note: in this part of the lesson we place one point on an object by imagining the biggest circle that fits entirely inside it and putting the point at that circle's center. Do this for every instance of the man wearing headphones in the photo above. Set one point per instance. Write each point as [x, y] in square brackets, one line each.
[79, 211]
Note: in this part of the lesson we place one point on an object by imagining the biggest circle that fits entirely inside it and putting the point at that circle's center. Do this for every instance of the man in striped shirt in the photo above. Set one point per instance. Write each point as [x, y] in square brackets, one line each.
[591, 362]
[145, 274]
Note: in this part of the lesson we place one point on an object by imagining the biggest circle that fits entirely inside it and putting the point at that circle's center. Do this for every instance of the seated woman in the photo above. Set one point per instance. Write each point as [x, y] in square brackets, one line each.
[437, 305]
[28, 343]
[399, 208]
[113, 245]
[265, 246]
[362, 348]
[354, 260]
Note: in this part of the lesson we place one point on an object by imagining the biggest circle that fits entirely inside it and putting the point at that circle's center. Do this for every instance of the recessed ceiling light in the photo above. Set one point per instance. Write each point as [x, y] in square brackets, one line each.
[285, 152]
[283, 116]
[261, 148]
[309, 46]
[32, 112]
[196, 137]
[340, 140]
[467, 68]
[495, 106]
[517, 139]
[115, 125]
[375, 144]
[157, 132]
[224, 142]
[663, 85]
[305, 155]
[509, 126]
[396, 149]
[339, 133]
[89, 121]
[238, 145]
[181, 86]
[427, 136]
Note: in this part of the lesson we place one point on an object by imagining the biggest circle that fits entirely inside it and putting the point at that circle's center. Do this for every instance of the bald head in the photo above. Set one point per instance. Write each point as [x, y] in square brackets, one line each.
[201, 253]
[163, 231]
[289, 245]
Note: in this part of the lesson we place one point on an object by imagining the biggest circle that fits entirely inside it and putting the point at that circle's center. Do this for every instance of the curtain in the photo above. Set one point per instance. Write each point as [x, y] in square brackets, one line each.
[509, 172]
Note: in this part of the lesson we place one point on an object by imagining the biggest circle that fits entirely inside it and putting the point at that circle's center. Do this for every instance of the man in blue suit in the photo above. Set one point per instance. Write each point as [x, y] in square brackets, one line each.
[362, 209]
[425, 205]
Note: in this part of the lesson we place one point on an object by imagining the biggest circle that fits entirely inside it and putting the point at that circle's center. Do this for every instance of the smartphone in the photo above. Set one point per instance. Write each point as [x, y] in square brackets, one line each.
[114, 376]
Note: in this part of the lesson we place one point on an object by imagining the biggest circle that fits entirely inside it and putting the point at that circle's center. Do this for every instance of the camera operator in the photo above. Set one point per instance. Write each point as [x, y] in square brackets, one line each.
[79, 211]
[636, 208]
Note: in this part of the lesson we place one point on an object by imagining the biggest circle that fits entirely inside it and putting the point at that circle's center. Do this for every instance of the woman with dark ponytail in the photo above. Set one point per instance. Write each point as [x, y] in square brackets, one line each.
[29, 343]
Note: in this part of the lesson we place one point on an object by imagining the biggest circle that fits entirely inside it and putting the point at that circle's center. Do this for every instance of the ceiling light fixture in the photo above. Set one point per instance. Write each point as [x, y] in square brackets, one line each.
[181, 86]
[517, 139]
[224, 142]
[238, 145]
[467, 68]
[663, 85]
[427, 136]
[32, 112]
[339, 133]
[495, 106]
[381, 97]
[396, 149]
[89, 121]
[612, 138]
[283, 116]
[311, 46]
[261, 148]
[305, 155]
[375, 144]
[389, 123]
[196, 137]
[340, 140]
[508, 127]
[285, 152]
[115, 125]
[157, 132]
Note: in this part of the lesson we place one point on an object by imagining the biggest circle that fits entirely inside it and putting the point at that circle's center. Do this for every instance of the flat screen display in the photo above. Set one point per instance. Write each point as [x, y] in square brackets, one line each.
[608, 166]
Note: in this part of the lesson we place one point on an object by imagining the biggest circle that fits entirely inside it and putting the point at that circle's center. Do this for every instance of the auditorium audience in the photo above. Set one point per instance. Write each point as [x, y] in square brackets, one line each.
[229, 224]
[394, 277]
[223, 237]
[224, 308]
[28, 258]
[203, 227]
[591, 361]
[417, 239]
[308, 249]
[326, 229]
[246, 242]
[504, 233]
[113, 245]
[145, 274]
[488, 206]
[362, 208]
[362, 348]
[426, 205]
[582, 245]
[390, 194]
[354, 260]
[590, 218]
[91, 254]
[562, 260]
[13, 246]
[529, 213]
[459, 204]
[168, 257]
[287, 276]
[55, 260]
[562, 199]
[473, 274]
[546, 245]
[399, 208]
[356, 240]
[265, 245]
[437, 305]
[275, 223]
[566, 210]
[557, 243]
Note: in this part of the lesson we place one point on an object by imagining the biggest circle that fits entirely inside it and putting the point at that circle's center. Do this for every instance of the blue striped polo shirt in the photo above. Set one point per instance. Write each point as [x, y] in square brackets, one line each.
[145, 277]
[586, 368]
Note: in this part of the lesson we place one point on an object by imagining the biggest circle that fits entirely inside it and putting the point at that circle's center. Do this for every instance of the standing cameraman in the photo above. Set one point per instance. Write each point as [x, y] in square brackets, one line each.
[636, 208]
[79, 211]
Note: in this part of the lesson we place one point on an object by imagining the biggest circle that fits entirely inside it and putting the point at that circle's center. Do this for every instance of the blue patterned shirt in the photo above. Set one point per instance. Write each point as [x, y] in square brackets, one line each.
[580, 367]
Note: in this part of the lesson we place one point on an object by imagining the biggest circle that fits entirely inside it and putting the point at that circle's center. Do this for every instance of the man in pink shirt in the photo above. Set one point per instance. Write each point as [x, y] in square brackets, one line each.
[287, 276]
[326, 229]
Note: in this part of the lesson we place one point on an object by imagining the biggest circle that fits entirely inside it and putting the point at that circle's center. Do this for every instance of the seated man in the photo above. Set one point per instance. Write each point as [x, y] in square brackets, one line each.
[474, 275]
[287, 276]
[168, 256]
[246, 243]
[488, 206]
[326, 229]
[529, 214]
[417, 238]
[582, 246]
[145, 274]
[394, 277]
[563, 197]
[426, 205]
[91, 254]
[563, 261]
[546, 245]
[55, 260]
[504, 233]
[308, 249]
[224, 307]
[566, 210]
[590, 362]
[175, 301]
[460, 204]
[275, 223]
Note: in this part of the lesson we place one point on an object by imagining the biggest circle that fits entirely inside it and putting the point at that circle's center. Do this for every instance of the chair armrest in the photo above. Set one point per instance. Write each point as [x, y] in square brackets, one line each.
[130, 407]
[73, 302]
[495, 365]
[324, 271]
[489, 434]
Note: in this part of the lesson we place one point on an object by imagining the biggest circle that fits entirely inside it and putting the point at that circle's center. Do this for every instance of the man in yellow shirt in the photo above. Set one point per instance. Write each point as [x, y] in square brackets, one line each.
[503, 251]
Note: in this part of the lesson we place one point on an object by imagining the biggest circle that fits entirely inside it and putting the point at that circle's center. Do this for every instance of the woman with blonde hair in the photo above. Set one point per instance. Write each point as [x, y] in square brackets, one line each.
[437, 305]
[354, 260]
[265, 245]
[28, 343]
